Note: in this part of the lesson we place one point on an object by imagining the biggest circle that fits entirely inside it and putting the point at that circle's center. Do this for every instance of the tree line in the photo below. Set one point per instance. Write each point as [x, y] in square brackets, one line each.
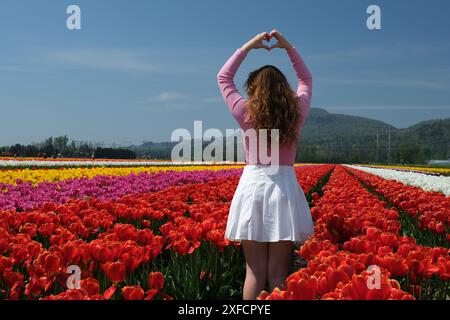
[405, 149]
[60, 147]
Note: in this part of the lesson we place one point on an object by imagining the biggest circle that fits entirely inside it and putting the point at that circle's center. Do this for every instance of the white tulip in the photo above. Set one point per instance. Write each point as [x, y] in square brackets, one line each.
[421, 180]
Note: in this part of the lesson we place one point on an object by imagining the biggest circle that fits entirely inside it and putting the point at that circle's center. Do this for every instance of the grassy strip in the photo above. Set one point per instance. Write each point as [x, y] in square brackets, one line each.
[297, 261]
[318, 188]
[207, 273]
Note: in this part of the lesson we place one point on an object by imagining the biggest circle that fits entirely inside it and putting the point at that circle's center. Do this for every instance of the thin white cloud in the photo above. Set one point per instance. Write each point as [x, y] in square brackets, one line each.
[174, 100]
[101, 59]
[170, 96]
[105, 59]
[164, 97]
[168, 101]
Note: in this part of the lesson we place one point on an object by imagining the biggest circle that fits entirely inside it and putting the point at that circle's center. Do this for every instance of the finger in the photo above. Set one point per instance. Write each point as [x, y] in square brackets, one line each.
[262, 35]
[276, 45]
[262, 46]
[277, 35]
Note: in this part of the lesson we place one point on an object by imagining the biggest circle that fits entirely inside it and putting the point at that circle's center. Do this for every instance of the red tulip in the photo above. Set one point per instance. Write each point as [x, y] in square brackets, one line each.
[13, 278]
[359, 290]
[182, 246]
[3, 245]
[156, 280]
[166, 228]
[417, 268]
[29, 228]
[115, 271]
[263, 295]
[372, 233]
[125, 231]
[19, 253]
[440, 227]
[102, 254]
[303, 289]
[110, 292]
[70, 252]
[52, 263]
[133, 293]
[315, 196]
[204, 275]
[146, 223]
[151, 293]
[91, 286]
[6, 263]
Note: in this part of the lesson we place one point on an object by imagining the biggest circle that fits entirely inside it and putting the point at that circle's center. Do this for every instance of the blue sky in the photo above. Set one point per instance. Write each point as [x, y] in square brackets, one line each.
[139, 69]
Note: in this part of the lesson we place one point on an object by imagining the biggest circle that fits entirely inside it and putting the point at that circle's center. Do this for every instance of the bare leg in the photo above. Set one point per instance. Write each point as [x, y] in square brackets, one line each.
[280, 256]
[256, 264]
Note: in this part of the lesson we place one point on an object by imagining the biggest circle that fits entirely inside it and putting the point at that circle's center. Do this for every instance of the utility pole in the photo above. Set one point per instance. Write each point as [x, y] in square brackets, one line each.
[389, 146]
[378, 144]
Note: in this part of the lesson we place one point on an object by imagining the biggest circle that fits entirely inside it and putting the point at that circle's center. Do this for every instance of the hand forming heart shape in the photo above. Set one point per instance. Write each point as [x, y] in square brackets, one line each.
[258, 41]
[268, 39]
[281, 41]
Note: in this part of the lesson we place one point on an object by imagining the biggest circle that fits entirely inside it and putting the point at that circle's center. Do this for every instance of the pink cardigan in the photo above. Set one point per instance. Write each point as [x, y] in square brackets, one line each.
[238, 105]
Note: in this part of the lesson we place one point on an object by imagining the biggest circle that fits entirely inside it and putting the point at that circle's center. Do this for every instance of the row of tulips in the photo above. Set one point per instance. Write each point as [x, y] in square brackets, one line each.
[437, 183]
[427, 170]
[158, 245]
[431, 209]
[36, 176]
[25, 196]
[356, 252]
[36, 163]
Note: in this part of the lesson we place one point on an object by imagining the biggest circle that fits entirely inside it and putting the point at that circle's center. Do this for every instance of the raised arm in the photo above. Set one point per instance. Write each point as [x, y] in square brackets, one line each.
[304, 77]
[225, 77]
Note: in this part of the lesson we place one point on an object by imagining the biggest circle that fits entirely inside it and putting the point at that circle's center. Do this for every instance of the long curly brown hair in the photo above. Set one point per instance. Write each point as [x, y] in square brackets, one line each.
[272, 104]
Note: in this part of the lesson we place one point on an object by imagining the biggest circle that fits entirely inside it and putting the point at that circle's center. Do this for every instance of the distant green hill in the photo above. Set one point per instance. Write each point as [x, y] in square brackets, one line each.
[431, 139]
[344, 138]
[337, 129]
[434, 133]
[329, 137]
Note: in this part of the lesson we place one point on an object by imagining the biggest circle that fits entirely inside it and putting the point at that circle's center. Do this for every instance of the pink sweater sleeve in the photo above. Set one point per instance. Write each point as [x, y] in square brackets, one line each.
[235, 102]
[304, 79]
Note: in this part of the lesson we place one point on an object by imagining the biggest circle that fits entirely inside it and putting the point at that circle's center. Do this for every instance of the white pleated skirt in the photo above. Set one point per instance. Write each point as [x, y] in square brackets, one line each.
[269, 206]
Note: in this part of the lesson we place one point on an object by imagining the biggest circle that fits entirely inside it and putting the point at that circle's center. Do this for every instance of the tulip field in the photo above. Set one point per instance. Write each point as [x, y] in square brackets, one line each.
[156, 231]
